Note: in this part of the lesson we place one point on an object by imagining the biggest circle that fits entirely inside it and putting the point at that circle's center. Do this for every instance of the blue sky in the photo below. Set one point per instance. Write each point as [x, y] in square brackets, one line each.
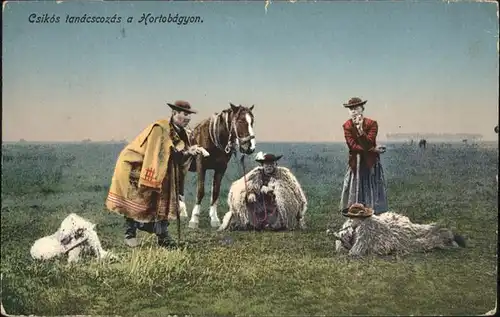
[427, 66]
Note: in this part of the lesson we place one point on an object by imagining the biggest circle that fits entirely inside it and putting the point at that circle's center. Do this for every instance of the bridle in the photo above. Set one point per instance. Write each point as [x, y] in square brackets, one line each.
[231, 128]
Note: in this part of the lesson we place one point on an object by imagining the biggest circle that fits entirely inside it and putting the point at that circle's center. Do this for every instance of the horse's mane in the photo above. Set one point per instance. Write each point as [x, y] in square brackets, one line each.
[227, 110]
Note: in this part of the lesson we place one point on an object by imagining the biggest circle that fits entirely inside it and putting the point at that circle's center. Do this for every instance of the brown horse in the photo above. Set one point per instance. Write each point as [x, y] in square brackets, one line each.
[220, 135]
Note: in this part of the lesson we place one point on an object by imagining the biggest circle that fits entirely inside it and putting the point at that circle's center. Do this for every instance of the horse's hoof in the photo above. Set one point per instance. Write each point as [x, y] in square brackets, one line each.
[215, 223]
[193, 225]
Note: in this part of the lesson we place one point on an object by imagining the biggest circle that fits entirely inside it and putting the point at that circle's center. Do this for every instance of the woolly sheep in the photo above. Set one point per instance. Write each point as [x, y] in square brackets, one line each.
[390, 233]
[75, 236]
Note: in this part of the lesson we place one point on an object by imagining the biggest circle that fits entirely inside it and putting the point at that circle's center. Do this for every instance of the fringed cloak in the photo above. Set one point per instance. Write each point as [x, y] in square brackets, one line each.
[391, 233]
[147, 175]
[284, 209]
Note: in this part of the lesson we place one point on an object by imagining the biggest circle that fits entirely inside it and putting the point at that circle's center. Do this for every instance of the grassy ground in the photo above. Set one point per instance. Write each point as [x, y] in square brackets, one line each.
[291, 273]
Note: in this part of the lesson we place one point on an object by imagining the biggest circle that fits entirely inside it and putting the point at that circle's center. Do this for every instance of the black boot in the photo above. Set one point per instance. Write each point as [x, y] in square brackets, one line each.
[130, 233]
[164, 239]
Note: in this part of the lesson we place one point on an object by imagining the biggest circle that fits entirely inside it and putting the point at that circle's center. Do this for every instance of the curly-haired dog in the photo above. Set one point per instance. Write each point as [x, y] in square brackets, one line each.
[390, 233]
[75, 236]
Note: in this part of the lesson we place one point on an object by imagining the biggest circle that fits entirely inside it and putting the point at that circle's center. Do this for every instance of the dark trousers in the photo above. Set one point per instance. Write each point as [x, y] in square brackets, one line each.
[160, 228]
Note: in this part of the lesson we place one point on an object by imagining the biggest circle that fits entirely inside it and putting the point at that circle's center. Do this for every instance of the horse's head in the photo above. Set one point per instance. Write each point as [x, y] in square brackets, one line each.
[242, 125]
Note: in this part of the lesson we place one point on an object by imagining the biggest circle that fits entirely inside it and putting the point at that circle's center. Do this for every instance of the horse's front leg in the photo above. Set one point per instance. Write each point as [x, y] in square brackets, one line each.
[216, 184]
[201, 171]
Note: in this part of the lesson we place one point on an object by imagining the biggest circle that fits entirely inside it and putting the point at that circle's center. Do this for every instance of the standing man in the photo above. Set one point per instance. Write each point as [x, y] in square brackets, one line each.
[360, 135]
[145, 187]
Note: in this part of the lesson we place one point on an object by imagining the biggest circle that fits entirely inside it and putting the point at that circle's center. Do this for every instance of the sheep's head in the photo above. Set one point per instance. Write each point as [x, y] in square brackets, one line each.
[73, 227]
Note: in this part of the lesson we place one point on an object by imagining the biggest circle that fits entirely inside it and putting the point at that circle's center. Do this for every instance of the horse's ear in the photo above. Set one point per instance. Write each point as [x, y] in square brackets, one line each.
[233, 106]
[251, 108]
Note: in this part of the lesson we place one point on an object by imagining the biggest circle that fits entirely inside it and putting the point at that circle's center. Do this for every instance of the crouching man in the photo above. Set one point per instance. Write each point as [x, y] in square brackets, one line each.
[269, 196]
[388, 233]
[76, 236]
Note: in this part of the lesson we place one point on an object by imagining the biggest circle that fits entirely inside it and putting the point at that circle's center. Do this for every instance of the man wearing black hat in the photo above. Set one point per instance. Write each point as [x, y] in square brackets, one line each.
[269, 196]
[145, 187]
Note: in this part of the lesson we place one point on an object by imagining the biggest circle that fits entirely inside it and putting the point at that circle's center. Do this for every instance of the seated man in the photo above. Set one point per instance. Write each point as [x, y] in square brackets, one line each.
[74, 236]
[269, 196]
[388, 233]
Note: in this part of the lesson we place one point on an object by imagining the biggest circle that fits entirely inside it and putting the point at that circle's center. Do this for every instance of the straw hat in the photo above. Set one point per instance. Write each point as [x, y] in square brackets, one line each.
[357, 210]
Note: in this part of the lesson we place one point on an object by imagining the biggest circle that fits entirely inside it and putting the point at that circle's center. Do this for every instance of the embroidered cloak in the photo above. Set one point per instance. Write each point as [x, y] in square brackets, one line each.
[148, 173]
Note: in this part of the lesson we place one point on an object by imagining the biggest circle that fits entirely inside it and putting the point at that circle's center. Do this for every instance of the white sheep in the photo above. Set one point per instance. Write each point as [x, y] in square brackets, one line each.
[75, 236]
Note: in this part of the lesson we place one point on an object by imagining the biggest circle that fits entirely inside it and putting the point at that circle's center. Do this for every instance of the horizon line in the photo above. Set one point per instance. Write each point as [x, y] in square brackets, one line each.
[261, 142]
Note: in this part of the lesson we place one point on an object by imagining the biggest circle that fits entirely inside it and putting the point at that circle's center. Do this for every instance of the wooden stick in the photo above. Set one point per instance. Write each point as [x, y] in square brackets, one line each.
[358, 159]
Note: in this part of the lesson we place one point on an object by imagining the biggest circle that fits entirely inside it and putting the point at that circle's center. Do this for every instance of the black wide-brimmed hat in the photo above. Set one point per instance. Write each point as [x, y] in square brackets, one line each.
[267, 157]
[354, 102]
[181, 105]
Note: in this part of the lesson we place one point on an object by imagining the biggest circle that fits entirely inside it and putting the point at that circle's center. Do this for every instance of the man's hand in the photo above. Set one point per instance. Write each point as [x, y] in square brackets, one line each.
[251, 198]
[380, 149]
[266, 189]
[195, 150]
[359, 127]
[203, 152]
[358, 122]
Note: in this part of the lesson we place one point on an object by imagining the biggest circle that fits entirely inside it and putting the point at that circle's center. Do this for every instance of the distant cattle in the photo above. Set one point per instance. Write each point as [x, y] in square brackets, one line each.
[422, 143]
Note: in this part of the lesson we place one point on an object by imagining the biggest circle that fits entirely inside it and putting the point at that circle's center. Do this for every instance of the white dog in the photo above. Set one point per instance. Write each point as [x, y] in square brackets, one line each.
[74, 236]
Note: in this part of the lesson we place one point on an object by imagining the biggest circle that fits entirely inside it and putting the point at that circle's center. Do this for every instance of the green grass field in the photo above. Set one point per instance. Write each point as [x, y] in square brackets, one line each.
[287, 273]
